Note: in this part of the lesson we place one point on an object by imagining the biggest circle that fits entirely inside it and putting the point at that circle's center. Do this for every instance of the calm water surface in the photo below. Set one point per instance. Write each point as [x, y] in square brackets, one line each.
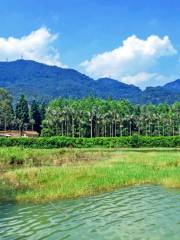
[143, 212]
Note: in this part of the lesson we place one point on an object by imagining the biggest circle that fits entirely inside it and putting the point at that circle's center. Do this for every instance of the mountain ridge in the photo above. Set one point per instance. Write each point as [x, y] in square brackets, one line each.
[38, 80]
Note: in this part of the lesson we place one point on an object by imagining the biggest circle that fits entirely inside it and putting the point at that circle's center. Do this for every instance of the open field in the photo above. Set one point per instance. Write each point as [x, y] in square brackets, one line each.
[42, 175]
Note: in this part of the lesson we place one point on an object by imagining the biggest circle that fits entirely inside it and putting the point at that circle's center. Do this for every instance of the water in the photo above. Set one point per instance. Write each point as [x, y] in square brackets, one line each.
[143, 212]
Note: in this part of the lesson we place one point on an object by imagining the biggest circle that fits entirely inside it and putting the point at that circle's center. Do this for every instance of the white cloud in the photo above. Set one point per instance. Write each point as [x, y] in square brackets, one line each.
[139, 78]
[131, 61]
[144, 79]
[35, 46]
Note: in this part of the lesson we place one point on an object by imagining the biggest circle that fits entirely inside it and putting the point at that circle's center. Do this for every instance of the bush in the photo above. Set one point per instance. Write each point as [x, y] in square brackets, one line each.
[135, 142]
[107, 142]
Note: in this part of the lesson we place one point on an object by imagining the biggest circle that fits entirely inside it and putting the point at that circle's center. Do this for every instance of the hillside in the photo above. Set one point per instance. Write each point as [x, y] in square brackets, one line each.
[44, 82]
[173, 86]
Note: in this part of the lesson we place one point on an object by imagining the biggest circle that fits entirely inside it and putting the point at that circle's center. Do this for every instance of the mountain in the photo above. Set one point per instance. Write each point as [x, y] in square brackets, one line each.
[106, 87]
[38, 80]
[169, 93]
[43, 82]
[159, 94]
[173, 86]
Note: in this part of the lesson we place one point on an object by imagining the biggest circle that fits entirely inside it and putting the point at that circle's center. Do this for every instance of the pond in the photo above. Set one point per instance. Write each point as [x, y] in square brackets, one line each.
[141, 212]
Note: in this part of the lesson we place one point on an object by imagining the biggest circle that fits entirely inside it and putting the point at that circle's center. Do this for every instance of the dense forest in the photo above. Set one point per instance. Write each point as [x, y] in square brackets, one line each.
[89, 117]
[21, 116]
[92, 117]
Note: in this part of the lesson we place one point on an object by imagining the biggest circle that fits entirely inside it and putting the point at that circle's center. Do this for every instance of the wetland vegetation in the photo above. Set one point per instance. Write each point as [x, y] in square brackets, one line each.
[44, 175]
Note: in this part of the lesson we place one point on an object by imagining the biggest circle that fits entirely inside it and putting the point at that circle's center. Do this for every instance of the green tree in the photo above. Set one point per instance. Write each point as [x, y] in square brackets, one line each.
[6, 110]
[92, 117]
[35, 116]
[22, 113]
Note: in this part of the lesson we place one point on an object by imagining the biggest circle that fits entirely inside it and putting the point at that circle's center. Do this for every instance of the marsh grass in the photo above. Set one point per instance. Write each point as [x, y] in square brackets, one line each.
[15, 157]
[72, 173]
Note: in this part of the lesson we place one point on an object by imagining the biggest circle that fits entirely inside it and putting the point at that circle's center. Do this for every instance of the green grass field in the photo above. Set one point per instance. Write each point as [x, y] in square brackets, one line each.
[44, 175]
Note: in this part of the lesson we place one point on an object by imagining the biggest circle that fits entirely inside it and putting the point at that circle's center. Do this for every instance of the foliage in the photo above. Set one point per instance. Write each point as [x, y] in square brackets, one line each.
[89, 117]
[35, 115]
[93, 117]
[22, 116]
[22, 112]
[107, 142]
[6, 110]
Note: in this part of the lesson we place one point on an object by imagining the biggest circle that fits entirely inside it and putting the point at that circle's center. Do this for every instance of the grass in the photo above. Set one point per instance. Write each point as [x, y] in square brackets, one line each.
[44, 175]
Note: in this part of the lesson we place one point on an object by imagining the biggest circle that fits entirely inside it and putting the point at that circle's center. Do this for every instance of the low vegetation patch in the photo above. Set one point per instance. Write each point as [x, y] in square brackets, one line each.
[17, 157]
[107, 142]
[44, 175]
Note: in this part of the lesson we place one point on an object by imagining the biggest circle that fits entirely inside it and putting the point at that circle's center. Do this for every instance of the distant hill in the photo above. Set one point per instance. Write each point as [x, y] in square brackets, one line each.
[173, 86]
[159, 95]
[44, 82]
[109, 87]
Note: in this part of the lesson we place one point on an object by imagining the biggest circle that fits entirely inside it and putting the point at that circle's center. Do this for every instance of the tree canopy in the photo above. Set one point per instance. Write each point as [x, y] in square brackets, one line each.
[93, 117]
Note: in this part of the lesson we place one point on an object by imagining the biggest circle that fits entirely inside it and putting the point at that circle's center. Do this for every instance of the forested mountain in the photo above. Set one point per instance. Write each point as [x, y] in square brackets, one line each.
[108, 87]
[173, 86]
[159, 94]
[44, 82]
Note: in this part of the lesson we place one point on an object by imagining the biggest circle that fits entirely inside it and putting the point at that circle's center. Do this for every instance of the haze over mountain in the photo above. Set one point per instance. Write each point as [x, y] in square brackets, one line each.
[43, 82]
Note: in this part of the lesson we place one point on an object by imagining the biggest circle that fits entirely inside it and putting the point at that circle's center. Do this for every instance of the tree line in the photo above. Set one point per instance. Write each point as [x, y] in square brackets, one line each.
[93, 117]
[22, 115]
[89, 117]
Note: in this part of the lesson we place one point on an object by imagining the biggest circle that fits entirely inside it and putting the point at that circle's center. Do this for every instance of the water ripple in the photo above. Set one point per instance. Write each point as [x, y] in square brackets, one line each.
[142, 212]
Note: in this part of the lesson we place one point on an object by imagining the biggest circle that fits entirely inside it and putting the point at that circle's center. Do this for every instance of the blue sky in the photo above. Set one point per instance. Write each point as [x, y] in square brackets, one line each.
[136, 42]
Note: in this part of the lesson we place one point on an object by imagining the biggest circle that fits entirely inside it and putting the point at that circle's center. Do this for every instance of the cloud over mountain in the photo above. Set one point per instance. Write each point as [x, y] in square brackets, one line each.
[38, 46]
[131, 61]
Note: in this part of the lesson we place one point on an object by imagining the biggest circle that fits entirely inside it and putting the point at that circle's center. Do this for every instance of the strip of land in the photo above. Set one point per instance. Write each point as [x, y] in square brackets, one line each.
[44, 175]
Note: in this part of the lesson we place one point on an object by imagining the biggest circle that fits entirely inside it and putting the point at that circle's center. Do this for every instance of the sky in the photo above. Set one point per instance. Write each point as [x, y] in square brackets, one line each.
[136, 42]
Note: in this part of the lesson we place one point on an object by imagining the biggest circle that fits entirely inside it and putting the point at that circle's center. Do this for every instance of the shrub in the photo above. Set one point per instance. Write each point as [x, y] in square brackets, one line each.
[108, 142]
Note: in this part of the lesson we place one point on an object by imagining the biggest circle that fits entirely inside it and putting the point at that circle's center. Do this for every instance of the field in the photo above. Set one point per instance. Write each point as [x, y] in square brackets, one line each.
[44, 175]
